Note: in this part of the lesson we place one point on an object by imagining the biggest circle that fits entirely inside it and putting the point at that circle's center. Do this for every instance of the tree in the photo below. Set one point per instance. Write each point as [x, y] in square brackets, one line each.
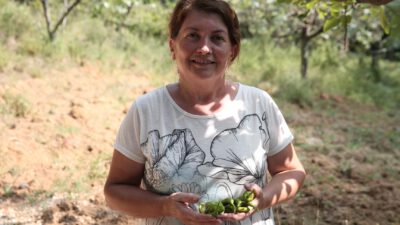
[311, 29]
[372, 40]
[51, 31]
[340, 13]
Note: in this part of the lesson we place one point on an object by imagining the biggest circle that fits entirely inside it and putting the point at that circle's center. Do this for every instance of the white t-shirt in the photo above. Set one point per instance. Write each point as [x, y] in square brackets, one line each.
[210, 155]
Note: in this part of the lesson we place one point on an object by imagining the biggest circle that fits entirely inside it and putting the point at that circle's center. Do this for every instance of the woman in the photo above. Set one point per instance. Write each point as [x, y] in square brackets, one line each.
[205, 137]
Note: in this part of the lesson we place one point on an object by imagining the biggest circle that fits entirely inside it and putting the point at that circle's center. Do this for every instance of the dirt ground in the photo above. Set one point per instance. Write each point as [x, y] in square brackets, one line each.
[54, 153]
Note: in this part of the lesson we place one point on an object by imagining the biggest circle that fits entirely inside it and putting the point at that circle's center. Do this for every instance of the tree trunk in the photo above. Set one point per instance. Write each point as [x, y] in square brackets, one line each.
[307, 33]
[304, 40]
[345, 47]
[45, 5]
[374, 48]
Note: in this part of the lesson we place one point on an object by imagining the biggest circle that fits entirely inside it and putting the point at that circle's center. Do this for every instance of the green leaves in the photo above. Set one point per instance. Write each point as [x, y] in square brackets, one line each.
[341, 12]
[335, 21]
[392, 14]
[330, 23]
[384, 20]
[311, 4]
[383, 12]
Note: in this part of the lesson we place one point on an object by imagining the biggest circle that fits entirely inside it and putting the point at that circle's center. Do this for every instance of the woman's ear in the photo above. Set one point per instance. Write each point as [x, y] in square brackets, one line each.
[171, 44]
[234, 52]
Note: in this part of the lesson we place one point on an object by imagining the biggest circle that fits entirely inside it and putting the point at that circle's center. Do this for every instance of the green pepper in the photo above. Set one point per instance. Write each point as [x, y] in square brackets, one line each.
[230, 208]
[242, 209]
[202, 207]
[248, 196]
[237, 202]
[229, 204]
[228, 201]
[214, 208]
[250, 207]
[241, 204]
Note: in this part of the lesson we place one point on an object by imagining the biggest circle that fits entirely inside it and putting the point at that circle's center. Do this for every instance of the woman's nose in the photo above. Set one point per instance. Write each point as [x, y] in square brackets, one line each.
[204, 47]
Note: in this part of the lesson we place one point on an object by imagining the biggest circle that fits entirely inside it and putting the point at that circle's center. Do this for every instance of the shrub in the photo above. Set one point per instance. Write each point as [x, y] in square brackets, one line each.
[15, 104]
[4, 58]
[296, 90]
[15, 20]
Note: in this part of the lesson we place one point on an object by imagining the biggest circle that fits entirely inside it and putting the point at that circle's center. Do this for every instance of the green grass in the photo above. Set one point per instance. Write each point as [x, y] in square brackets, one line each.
[97, 168]
[4, 58]
[8, 190]
[66, 130]
[37, 196]
[14, 104]
[143, 49]
[79, 177]
[15, 21]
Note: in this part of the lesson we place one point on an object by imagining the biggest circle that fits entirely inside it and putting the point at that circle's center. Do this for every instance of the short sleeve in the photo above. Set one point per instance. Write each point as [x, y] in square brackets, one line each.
[128, 138]
[280, 134]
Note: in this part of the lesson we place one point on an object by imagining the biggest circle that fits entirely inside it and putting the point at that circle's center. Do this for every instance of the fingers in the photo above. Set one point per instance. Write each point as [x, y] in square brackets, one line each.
[183, 212]
[205, 219]
[191, 217]
[234, 216]
[253, 187]
[257, 190]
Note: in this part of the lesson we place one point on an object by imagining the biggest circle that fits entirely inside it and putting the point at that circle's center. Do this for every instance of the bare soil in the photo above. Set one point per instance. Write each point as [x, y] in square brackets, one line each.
[55, 153]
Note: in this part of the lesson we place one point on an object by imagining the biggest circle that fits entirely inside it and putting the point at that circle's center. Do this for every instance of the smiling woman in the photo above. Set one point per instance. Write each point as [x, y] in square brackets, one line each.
[202, 51]
[202, 48]
[203, 138]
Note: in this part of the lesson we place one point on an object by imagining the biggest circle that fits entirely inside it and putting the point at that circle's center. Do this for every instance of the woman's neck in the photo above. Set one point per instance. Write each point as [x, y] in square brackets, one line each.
[202, 92]
[201, 98]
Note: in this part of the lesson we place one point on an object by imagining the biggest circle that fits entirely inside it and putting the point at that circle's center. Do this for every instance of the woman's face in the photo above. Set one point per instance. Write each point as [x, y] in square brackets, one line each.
[202, 48]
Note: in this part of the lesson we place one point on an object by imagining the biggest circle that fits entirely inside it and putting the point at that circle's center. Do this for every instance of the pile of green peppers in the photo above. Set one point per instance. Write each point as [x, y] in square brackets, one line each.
[241, 204]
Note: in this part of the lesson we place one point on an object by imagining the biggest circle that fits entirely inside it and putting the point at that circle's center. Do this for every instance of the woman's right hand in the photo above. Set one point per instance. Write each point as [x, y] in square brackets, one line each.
[178, 206]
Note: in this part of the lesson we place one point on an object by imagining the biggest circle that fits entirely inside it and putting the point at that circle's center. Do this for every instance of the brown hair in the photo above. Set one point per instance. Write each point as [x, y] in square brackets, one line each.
[219, 7]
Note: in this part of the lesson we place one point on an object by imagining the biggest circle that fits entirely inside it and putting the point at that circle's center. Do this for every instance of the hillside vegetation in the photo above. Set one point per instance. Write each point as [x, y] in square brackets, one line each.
[61, 103]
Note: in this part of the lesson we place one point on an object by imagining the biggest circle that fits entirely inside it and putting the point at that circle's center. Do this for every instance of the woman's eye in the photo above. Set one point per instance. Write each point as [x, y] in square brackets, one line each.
[218, 38]
[192, 35]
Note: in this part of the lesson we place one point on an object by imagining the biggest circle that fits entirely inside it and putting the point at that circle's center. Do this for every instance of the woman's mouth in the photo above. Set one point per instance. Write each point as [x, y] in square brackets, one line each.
[202, 61]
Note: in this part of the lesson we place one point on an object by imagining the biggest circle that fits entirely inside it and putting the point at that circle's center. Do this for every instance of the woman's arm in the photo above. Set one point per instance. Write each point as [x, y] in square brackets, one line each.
[288, 175]
[123, 193]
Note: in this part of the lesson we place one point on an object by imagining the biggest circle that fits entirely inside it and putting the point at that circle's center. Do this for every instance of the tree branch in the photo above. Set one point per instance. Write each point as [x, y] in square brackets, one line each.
[316, 33]
[45, 5]
[375, 2]
[64, 15]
